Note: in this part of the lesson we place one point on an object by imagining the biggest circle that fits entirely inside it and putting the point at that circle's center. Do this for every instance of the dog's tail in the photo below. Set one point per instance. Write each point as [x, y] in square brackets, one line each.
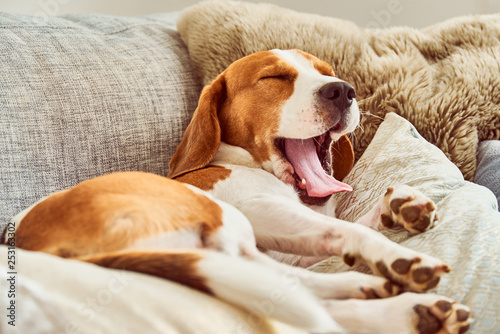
[236, 280]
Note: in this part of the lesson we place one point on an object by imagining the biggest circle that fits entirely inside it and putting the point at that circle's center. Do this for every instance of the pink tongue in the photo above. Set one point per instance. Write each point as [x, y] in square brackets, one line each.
[302, 155]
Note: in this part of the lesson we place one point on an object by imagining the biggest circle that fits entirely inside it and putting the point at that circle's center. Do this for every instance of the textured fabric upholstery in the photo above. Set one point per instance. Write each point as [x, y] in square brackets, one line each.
[488, 166]
[86, 95]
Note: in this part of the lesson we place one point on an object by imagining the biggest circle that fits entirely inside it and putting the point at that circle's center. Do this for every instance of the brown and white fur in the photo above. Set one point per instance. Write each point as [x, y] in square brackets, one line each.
[237, 195]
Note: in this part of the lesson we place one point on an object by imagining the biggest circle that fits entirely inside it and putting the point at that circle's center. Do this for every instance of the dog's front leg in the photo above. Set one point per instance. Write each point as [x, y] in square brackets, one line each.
[284, 225]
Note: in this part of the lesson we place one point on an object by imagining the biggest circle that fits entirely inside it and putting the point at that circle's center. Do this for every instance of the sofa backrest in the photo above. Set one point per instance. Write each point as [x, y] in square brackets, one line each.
[86, 95]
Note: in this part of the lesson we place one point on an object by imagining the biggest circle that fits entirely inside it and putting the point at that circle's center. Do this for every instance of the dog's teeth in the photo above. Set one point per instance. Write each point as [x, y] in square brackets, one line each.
[301, 184]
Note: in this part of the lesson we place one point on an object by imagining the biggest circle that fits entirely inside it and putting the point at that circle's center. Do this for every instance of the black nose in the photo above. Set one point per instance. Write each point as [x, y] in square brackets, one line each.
[340, 93]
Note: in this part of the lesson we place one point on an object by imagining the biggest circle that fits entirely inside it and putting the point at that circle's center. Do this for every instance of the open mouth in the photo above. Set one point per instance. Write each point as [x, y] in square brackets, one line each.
[311, 161]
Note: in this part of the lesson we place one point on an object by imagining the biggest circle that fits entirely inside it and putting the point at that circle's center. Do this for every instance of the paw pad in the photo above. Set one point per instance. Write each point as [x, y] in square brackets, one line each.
[422, 275]
[384, 271]
[349, 259]
[411, 213]
[398, 202]
[444, 306]
[388, 289]
[409, 208]
[387, 221]
[462, 315]
[432, 284]
[403, 266]
[428, 323]
[392, 289]
[370, 293]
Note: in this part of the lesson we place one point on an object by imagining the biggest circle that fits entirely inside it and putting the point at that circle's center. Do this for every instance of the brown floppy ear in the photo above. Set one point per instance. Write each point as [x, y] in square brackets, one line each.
[202, 137]
[342, 157]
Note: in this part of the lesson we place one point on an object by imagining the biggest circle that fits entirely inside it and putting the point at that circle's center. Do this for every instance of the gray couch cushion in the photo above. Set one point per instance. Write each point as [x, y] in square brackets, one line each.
[86, 95]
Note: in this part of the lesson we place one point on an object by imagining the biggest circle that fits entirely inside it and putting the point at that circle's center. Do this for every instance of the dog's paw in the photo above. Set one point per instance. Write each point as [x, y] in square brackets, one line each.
[411, 270]
[414, 272]
[353, 285]
[409, 208]
[437, 314]
[406, 313]
[378, 289]
[357, 285]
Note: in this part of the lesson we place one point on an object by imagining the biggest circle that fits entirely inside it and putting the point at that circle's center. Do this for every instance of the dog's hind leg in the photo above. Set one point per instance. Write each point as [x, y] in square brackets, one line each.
[234, 279]
[295, 260]
[406, 313]
[329, 285]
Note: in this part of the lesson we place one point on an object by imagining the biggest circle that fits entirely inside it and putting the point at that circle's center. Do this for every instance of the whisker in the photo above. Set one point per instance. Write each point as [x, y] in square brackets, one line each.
[333, 147]
[367, 113]
[360, 127]
[353, 138]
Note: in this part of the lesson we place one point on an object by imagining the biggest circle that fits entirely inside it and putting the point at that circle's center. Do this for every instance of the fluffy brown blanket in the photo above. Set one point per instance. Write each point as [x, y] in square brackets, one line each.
[444, 79]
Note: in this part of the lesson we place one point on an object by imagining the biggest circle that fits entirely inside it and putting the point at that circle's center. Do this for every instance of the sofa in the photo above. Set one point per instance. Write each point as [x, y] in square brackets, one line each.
[85, 95]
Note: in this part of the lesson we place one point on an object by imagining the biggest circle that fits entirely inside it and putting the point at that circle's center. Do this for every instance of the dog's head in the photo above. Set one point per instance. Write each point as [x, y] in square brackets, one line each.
[288, 110]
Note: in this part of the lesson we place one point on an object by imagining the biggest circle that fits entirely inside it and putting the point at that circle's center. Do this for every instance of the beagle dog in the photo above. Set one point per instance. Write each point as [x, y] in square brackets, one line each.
[251, 183]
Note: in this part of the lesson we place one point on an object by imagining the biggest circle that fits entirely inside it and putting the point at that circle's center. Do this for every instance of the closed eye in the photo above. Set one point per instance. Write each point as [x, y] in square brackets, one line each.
[281, 77]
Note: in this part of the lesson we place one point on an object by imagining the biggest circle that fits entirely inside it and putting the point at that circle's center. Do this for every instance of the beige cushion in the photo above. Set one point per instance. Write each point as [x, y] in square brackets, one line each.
[467, 234]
